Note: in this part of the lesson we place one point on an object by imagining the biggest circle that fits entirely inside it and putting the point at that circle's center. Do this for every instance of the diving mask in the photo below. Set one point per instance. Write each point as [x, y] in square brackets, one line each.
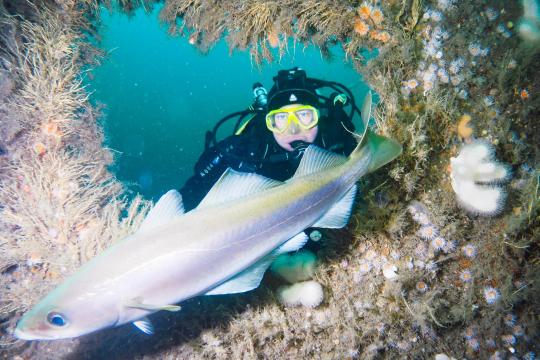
[304, 116]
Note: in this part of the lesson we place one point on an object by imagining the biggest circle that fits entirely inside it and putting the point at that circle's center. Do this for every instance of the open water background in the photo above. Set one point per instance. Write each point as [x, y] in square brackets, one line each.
[161, 95]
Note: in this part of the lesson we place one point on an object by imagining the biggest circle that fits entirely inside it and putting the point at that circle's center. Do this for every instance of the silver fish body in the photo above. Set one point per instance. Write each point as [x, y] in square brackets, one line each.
[223, 246]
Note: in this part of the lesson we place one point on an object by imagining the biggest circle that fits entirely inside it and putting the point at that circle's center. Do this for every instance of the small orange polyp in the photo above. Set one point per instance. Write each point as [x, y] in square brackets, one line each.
[364, 11]
[361, 27]
[463, 129]
[377, 16]
[39, 148]
[51, 129]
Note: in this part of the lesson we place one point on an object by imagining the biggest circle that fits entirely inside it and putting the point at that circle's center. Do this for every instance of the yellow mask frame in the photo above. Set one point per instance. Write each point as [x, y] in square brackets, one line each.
[292, 115]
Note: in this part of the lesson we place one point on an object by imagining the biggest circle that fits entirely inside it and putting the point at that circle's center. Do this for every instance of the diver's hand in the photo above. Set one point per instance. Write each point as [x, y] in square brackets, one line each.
[300, 145]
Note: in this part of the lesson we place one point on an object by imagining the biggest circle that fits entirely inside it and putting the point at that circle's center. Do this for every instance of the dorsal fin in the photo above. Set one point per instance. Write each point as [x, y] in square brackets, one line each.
[233, 185]
[317, 159]
[168, 206]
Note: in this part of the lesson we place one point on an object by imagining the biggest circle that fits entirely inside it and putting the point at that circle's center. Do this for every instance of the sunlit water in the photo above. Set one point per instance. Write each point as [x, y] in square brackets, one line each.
[161, 95]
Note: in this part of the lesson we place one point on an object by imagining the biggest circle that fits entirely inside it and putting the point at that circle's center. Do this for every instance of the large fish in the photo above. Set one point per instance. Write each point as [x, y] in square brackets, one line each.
[223, 246]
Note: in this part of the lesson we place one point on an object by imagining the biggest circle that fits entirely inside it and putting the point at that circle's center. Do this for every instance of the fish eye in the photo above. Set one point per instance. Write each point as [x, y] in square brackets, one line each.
[56, 319]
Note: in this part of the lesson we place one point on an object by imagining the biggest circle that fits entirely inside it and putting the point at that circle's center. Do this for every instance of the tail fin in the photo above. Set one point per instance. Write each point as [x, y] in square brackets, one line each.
[382, 149]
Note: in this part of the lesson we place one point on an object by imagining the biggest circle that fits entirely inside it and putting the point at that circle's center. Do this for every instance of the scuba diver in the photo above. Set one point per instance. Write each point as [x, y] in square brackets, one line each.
[283, 123]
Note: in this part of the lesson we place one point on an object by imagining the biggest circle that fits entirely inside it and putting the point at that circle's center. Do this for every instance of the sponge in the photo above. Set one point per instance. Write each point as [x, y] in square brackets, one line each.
[308, 293]
[476, 176]
[295, 267]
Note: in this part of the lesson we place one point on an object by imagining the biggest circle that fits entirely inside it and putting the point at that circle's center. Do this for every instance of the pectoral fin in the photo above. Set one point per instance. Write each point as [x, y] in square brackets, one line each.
[338, 216]
[144, 325]
[247, 280]
[138, 304]
[251, 277]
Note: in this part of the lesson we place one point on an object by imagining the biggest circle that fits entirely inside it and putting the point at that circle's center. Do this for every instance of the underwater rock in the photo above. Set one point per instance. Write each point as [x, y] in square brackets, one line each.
[474, 175]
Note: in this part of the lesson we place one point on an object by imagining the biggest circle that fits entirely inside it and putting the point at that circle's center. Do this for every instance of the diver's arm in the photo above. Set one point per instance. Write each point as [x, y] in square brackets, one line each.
[207, 171]
[211, 165]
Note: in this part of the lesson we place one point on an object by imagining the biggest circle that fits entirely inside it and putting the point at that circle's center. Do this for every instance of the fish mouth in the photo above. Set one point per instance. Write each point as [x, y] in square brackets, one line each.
[23, 335]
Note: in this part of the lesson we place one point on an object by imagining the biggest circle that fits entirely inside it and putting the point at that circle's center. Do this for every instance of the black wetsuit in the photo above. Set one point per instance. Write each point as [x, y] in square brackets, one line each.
[255, 150]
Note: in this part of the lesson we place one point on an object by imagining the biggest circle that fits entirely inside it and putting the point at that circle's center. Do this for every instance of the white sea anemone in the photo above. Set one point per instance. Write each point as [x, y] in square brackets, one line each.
[474, 178]
[475, 49]
[308, 294]
[469, 332]
[491, 294]
[466, 276]
[365, 266]
[428, 232]
[456, 80]
[469, 251]
[438, 243]
[445, 4]
[473, 344]
[421, 218]
[456, 65]
[450, 246]
[491, 14]
[435, 16]
[510, 320]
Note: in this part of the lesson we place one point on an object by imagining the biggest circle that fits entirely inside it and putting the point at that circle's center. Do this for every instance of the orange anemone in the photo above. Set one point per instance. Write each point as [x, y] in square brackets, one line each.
[377, 16]
[361, 27]
[382, 36]
[364, 11]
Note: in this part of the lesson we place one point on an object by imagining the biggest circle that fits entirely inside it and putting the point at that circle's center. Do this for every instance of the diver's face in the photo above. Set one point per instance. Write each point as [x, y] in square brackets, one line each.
[295, 132]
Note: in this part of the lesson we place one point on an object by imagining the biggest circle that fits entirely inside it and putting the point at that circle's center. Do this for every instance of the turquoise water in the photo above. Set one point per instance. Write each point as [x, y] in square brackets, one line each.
[161, 95]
